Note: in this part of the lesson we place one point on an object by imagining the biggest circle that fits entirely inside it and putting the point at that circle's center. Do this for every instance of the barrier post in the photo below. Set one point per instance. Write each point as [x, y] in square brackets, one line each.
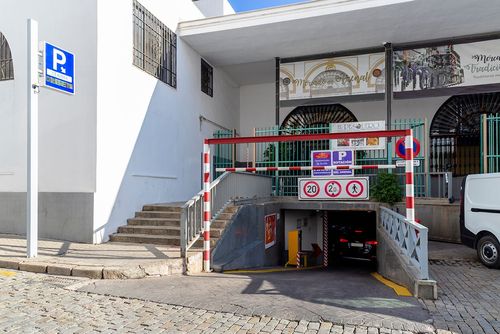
[206, 206]
[325, 239]
[410, 191]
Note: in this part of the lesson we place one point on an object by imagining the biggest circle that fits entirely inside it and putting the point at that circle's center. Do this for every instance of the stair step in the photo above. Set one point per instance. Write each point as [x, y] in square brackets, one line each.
[142, 221]
[232, 209]
[145, 239]
[219, 224]
[158, 214]
[153, 230]
[160, 207]
[224, 216]
[199, 243]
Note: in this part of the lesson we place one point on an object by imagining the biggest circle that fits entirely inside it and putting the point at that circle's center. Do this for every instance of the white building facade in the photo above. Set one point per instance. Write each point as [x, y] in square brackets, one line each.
[129, 137]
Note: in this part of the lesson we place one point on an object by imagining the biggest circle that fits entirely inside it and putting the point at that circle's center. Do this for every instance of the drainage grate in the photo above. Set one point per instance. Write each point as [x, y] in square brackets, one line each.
[455, 262]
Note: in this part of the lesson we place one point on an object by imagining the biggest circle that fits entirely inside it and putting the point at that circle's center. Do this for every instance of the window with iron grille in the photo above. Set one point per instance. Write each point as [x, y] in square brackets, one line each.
[6, 66]
[155, 46]
[207, 78]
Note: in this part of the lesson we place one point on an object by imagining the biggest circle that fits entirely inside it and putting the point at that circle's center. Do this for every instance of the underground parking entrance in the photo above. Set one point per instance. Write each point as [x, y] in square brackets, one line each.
[330, 238]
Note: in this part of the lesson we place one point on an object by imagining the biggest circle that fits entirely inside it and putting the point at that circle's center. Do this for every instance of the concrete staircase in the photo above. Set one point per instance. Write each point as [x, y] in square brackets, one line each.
[160, 224]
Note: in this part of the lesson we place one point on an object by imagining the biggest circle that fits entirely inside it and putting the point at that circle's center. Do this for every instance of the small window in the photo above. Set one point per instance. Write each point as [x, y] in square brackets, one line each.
[6, 65]
[155, 46]
[207, 78]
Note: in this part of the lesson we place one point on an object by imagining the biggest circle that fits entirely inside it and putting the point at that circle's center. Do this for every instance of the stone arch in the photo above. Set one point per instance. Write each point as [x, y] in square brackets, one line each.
[455, 132]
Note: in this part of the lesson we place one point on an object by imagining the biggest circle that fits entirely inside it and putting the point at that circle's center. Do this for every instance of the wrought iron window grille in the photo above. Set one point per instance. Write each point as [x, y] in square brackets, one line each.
[6, 64]
[207, 78]
[155, 46]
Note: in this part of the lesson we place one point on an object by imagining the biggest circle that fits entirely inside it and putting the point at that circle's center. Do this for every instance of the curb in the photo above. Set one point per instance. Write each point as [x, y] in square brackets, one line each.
[165, 267]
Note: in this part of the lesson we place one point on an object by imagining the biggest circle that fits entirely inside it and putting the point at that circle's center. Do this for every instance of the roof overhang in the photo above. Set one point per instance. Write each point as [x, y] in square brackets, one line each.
[326, 26]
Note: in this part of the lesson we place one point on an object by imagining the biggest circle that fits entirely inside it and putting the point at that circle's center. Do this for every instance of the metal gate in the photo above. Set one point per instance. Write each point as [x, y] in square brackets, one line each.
[490, 143]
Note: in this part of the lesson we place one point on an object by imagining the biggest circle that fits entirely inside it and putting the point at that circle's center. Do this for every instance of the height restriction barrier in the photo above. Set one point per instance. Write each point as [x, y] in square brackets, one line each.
[409, 168]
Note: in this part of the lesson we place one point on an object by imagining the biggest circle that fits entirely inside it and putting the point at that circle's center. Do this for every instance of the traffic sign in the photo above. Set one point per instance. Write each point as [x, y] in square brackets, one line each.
[341, 188]
[401, 149]
[402, 163]
[342, 158]
[332, 158]
[310, 189]
[58, 69]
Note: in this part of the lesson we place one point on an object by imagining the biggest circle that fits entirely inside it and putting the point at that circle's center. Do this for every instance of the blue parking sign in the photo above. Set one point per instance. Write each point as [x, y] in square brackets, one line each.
[342, 158]
[59, 69]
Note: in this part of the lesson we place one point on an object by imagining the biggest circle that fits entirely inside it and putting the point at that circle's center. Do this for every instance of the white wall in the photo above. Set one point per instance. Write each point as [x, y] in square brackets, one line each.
[149, 134]
[66, 123]
[311, 233]
[258, 103]
[211, 8]
[257, 107]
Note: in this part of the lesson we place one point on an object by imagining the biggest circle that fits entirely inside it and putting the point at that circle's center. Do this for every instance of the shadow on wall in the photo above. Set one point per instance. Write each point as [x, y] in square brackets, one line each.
[159, 169]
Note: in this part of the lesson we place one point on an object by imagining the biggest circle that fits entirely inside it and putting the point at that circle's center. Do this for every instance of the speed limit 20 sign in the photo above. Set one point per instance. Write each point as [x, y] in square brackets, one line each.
[351, 188]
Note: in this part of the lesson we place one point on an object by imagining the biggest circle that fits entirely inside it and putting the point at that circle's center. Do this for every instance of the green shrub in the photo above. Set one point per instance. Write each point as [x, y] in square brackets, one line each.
[387, 189]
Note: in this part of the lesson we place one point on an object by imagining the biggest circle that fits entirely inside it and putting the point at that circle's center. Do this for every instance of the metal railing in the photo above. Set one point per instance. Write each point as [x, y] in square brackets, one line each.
[223, 191]
[410, 237]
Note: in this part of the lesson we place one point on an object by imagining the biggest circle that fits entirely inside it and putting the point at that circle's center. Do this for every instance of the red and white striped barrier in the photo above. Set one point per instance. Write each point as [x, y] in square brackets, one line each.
[325, 239]
[299, 168]
[409, 169]
[206, 207]
[410, 191]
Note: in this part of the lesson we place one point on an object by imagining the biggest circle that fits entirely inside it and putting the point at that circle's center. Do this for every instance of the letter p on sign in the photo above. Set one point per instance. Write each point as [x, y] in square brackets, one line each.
[59, 58]
[342, 155]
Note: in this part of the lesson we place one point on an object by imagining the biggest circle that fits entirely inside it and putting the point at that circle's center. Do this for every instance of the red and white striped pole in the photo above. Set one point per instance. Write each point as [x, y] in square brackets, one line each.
[410, 191]
[325, 239]
[302, 168]
[206, 206]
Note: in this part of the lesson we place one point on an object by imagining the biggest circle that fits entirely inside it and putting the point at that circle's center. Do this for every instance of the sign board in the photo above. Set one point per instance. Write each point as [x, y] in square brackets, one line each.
[345, 188]
[270, 222]
[402, 163]
[374, 143]
[447, 66]
[401, 148]
[58, 69]
[339, 76]
[332, 158]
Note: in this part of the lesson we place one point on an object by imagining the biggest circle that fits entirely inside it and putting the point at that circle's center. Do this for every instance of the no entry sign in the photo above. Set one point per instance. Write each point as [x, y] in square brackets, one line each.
[401, 149]
[342, 188]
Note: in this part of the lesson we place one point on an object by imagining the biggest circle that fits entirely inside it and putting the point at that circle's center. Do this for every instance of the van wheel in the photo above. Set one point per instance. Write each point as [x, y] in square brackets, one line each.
[488, 250]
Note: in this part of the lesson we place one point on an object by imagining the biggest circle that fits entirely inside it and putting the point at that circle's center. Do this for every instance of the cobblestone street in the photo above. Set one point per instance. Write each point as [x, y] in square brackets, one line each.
[469, 297]
[37, 303]
[469, 302]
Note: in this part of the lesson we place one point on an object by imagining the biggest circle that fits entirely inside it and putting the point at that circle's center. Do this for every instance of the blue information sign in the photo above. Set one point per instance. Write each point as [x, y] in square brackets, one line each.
[332, 158]
[59, 69]
[342, 158]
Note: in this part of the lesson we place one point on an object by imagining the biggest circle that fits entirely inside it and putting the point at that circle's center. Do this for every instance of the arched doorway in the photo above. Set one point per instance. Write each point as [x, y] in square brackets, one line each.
[317, 116]
[304, 120]
[6, 64]
[455, 133]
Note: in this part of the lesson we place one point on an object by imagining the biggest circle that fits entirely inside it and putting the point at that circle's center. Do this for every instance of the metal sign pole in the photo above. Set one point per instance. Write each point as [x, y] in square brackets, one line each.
[32, 127]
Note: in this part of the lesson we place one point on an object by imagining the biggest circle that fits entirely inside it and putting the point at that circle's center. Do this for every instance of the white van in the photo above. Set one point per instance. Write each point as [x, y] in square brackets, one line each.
[480, 216]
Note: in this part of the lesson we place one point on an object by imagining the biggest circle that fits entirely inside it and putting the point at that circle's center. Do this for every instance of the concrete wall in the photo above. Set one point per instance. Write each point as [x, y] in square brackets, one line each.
[124, 139]
[440, 217]
[211, 8]
[242, 245]
[311, 227]
[67, 124]
[149, 134]
[257, 105]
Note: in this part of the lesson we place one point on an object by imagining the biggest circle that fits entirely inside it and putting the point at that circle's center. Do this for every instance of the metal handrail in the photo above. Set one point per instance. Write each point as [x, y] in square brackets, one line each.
[223, 190]
[410, 237]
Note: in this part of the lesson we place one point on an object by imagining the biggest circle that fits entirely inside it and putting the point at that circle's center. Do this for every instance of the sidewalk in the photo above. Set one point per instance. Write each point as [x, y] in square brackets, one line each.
[108, 260]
